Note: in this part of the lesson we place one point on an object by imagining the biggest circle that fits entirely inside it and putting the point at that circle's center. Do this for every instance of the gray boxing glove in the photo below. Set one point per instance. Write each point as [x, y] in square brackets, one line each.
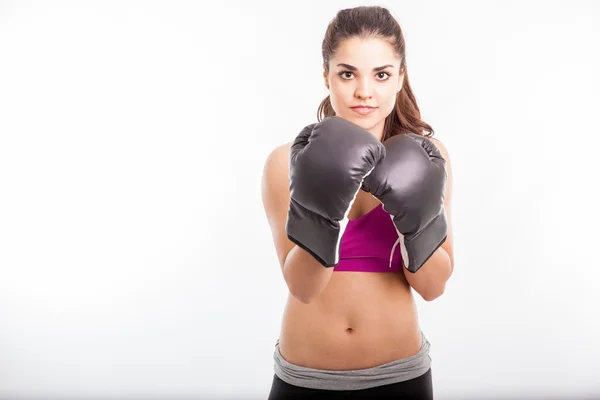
[328, 163]
[411, 183]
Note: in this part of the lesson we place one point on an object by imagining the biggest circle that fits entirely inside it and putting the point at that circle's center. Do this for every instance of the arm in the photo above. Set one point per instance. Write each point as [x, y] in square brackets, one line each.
[430, 280]
[305, 277]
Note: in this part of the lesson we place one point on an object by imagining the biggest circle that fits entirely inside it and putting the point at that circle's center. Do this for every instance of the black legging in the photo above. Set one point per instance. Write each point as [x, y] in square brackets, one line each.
[419, 388]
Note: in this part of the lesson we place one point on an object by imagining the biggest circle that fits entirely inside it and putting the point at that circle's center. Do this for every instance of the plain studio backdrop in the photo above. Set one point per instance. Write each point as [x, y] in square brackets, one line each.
[135, 256]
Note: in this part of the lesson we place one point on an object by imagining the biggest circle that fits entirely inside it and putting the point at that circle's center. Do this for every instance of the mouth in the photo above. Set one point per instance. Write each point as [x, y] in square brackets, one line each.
[363, 110]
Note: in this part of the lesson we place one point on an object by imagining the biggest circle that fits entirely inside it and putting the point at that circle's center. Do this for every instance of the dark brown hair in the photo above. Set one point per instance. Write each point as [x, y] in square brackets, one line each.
[375, 21]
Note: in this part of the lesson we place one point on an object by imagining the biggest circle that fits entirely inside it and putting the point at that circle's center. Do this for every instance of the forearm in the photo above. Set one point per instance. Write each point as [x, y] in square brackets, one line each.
[305, 276]
[430, 280]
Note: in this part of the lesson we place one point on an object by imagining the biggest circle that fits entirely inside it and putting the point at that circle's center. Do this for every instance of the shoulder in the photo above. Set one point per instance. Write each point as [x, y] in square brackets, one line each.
[275, 194]
[448, 165]
[276, 170]
[278, 157]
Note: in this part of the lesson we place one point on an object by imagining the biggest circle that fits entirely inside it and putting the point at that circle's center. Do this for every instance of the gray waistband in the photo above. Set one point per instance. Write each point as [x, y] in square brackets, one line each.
[356, 379]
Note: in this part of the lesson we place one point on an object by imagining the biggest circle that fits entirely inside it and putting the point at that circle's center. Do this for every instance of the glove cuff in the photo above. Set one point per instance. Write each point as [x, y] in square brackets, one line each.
[314, 233]
[417, 249]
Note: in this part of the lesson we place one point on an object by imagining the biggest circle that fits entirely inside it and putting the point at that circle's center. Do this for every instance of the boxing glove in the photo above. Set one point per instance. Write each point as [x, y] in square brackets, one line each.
[328, 163]
[410, 183]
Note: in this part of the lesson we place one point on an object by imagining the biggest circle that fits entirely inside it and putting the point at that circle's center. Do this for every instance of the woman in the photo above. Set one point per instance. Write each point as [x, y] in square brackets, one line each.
[348, 248]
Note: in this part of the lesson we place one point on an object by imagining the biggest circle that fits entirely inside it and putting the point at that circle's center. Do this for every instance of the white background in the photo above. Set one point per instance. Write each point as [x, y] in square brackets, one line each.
[135, 256]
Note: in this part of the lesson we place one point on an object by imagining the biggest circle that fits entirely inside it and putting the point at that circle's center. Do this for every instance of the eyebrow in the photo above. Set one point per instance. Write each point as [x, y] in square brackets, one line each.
[351, 68]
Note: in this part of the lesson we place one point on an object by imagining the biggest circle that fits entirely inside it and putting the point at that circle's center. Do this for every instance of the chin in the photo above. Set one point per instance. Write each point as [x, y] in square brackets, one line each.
[365, 122]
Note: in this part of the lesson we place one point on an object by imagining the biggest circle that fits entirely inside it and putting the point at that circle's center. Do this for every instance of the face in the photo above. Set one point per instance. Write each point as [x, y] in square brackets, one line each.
[364, 72]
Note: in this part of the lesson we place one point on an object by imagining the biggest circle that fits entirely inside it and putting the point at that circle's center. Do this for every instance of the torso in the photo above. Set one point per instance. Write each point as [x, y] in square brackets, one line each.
[360, 320]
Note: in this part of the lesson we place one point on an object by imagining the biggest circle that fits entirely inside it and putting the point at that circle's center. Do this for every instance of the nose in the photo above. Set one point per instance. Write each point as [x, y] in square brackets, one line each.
[363, 89]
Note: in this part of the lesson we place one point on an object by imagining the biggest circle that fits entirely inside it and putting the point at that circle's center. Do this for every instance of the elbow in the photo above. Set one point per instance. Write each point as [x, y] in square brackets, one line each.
[304, 300]
[301, 296]
[305, 286]
[299, 291]
[306, 278]
[433, 294]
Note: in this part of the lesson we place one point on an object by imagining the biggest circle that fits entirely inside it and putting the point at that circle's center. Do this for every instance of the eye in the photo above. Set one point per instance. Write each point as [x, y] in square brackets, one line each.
[344, 72]
[385, 76]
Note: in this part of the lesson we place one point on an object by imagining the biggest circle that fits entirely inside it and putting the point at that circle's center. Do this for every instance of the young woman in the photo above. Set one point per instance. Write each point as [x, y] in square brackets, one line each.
[359, 208]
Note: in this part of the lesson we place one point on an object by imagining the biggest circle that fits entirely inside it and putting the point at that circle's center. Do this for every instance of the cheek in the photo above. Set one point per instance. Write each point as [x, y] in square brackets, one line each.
[339, 94]
[338, 89]
[387, 98]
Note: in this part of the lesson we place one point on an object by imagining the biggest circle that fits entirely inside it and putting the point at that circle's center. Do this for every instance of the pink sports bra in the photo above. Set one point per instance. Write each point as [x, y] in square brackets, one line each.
[369, 243]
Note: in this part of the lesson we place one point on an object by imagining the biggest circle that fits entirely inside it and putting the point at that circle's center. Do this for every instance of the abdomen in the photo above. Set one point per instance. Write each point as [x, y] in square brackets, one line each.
[361, 320]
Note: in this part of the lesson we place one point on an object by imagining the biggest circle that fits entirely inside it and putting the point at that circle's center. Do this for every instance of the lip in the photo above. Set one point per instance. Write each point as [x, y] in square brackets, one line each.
[363, 110]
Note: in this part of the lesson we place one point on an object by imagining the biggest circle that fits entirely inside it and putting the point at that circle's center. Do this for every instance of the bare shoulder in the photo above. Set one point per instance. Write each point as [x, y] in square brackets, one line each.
[281, 151]
[448, 244]
[444, 151]
[276, 196]
[275, 177]
[277, 161]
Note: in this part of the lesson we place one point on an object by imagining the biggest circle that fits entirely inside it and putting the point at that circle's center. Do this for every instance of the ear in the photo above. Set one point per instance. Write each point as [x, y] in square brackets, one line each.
[325, 78]
[400, 82]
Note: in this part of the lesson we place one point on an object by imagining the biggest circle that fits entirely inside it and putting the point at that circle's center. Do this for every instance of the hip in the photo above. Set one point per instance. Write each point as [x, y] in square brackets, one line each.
[404, 369]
